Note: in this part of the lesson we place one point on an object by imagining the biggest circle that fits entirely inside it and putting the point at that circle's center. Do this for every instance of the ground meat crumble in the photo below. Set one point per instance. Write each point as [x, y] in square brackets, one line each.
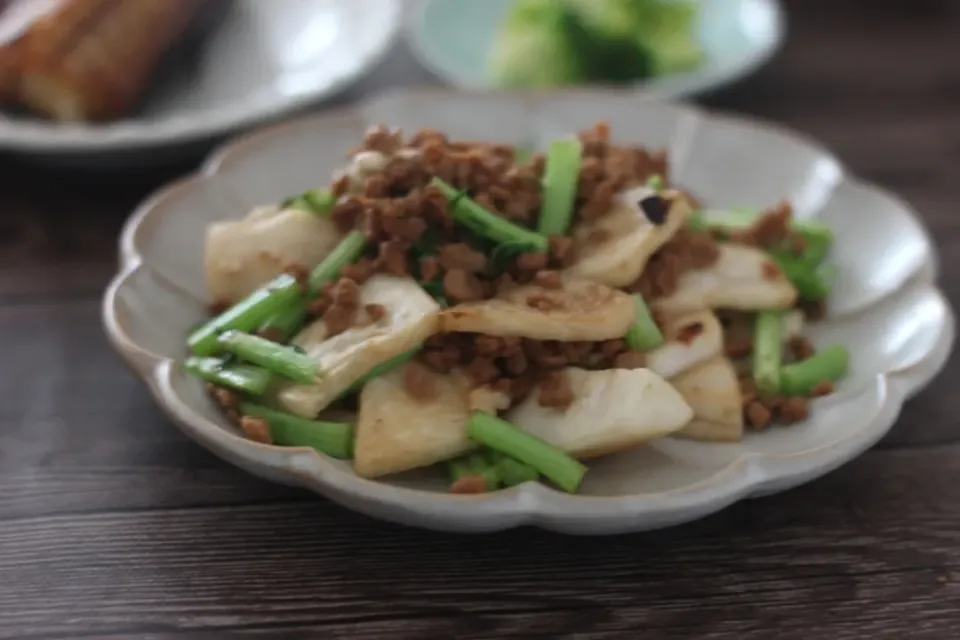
[519, 366]
[410, 232]
[398, 210]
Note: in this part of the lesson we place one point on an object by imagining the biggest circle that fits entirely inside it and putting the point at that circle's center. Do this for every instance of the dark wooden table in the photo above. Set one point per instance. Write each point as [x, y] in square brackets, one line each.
[113, 525]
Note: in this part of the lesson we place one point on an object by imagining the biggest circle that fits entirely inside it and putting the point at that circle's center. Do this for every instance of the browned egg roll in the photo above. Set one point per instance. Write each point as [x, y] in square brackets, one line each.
[92, 60]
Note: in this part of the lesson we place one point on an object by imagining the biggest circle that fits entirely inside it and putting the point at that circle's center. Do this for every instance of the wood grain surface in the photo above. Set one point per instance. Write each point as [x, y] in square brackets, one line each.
[113, 525]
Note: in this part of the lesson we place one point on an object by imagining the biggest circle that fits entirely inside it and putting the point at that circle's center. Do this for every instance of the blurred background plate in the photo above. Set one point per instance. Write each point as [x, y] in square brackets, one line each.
[266, 59]
[453, 39]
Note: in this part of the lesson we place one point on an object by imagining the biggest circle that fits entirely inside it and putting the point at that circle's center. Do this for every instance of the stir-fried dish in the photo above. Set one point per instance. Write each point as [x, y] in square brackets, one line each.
[509, 314]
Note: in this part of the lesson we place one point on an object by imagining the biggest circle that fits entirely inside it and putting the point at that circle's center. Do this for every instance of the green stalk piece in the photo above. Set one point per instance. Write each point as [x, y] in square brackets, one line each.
[809, 280]
[332, 438]
[242, 377]
[347, 252]
[486, 223]
[561, 177]
[283, 361]
[554, 464]
[284, 324]
[248, 314]
[800, 378]
[644, 334]
[513, 472]
[767, 351]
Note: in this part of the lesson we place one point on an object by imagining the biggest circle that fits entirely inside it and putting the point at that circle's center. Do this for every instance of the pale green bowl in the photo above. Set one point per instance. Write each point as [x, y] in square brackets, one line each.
[452, 38]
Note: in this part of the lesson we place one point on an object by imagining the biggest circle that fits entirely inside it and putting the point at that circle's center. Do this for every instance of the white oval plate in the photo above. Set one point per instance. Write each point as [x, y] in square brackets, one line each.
[887, 309]
[266, 59]
[452, 38]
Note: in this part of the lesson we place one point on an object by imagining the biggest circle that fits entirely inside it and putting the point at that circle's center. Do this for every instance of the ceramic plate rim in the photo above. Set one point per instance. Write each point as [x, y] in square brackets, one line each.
[670, 86]
[142, 134]
[752, 474]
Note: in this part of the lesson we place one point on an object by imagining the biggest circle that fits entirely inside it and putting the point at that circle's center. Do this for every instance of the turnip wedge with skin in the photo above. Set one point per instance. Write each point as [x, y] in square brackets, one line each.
[410, 318]
[612, 410]
[399, 429]
[241, 255]
[579, 310]
[743, 278]
[691, 338]
[713, 392]
[614, 249]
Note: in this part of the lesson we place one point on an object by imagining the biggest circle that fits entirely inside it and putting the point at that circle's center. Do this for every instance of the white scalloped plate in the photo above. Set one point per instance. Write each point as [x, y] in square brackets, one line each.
[266, 59]
[887, 308]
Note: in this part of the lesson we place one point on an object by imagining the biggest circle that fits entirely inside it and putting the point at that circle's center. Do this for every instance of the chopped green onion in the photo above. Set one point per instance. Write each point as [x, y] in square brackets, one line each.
[382, 368]
[644, 334]
[332, 438]
[563, 470]
[247, 314]
[347, 252]
[283, 361]
[766, 351]
[242, 377]
[284, 324]
[486, 223]
[800, 378]
[561, 176]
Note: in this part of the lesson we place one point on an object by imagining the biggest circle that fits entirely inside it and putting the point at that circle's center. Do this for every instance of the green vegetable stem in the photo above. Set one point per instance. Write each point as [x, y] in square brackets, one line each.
[644, 334]
[347, 252]
[487, 224]
[810, 281]
[800, 378]
[560, 179]
[285, 323]
[767, 351]
[242, 377]
[283, 361]
[248, 314]
[332, 438]
[563, 470]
